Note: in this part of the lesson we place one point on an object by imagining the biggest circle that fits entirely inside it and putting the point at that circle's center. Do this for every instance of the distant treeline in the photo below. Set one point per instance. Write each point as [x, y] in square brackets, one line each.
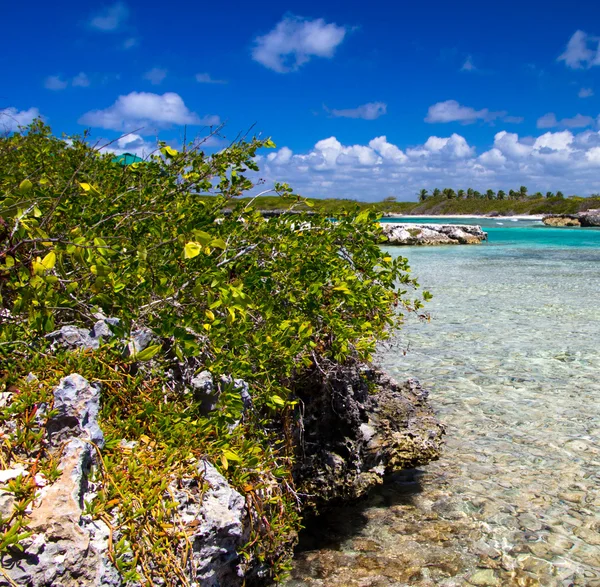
[467, 203]
[471, 194]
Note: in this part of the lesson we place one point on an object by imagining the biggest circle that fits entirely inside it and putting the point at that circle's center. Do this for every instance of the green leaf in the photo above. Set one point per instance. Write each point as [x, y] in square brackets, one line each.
[147, 353]
[191, 250]
[218, 243]
[25, 186]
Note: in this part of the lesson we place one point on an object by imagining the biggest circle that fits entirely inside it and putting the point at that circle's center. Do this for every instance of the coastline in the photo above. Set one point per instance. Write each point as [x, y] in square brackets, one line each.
[483, 216]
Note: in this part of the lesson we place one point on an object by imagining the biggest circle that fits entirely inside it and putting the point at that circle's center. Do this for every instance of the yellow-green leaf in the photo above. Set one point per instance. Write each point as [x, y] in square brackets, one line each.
[25, 186]
[147, 353]
[191, 250]
[49, 260]
[168, 151]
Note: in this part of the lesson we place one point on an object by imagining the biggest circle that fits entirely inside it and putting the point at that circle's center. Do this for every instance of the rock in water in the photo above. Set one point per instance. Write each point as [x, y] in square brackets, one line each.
[358, 425]
[397, 233]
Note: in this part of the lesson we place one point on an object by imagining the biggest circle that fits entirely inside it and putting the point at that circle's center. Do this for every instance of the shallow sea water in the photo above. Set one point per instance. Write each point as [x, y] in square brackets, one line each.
[511, 357]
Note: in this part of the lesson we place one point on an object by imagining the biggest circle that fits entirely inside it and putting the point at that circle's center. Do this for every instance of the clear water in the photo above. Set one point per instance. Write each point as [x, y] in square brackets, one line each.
[511, 357]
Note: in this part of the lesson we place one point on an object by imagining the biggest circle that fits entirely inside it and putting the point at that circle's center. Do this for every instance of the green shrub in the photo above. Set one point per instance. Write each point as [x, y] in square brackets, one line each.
[149, 244]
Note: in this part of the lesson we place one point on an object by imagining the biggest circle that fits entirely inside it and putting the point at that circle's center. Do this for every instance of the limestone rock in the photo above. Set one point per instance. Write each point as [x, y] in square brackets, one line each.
[432, 234]
[73, 337]
[359, 425]
[586, 218]
[220, 529]
[61, 551]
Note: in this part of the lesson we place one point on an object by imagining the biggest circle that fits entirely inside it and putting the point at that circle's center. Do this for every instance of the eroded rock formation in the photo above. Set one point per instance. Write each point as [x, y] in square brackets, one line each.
[588, 218]
[432, 234]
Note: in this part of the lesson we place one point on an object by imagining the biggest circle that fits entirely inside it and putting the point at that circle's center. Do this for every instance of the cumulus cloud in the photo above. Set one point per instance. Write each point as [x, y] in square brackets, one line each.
[578, 121]
[582, 52]
[156, 75]
[294, 41]
[554, 160]
[11, 118]
[468, 65]
[111, 18]
[131, 143]
[452, 111]
[585, 93]
[205, 78]
[81, 80]
[369, 111]
[140, 110]
[55, 82]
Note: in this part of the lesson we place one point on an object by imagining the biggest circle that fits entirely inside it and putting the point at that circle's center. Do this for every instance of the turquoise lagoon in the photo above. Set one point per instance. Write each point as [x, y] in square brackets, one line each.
[511, 357]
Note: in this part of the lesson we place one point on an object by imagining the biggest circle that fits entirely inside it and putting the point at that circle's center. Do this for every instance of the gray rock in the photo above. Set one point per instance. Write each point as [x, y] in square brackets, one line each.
[72, 337]
[205, 391]
[139, 340]
[62, 551]
[359, 425]
[220, 529]
[77, 402]
[397, 233]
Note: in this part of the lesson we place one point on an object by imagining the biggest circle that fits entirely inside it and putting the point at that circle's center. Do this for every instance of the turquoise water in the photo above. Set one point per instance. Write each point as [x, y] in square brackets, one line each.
[511, 357]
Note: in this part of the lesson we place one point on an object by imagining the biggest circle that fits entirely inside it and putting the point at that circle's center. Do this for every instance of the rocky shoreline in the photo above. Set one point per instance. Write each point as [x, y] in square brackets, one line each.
[356, 425]
[589, 218]
[432, 234]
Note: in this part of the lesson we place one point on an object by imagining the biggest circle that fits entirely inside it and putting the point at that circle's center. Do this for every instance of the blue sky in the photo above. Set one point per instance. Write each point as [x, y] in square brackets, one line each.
[363, 101]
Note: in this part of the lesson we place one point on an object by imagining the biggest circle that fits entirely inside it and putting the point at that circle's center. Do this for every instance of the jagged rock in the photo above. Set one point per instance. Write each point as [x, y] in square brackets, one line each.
[139, 340]
[60, 551]
[220, 529]
[432, 234]
[77, 402]
[205, 391]
[358, 425]
[587, 218]
[72, 337]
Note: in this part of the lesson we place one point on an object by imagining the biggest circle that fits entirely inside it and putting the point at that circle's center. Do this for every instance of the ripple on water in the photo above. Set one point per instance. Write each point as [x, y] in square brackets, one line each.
[511, 356]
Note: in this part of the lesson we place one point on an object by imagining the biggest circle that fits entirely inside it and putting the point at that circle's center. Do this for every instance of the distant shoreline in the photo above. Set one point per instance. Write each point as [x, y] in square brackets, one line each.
[483, 216]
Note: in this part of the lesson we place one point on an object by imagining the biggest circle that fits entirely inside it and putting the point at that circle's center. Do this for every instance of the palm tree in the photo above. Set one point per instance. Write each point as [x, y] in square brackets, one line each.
[501, 194]
[470, 193]
[490, 195]
[512, 194]
[560, 195]
[522, 191]
[477, 195]
[549, 195]
[461, 194]
[423, 194]
[437, 193]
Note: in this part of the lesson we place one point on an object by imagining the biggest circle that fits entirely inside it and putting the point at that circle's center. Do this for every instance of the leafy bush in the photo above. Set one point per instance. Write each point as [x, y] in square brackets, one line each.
[237, 294]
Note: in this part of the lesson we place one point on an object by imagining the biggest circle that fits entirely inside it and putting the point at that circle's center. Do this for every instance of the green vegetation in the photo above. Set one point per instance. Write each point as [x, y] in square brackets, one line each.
[270, 301]
[440, 204]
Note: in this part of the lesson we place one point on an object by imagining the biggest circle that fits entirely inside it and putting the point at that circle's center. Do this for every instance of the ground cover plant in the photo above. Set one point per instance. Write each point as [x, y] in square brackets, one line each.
[268, 301]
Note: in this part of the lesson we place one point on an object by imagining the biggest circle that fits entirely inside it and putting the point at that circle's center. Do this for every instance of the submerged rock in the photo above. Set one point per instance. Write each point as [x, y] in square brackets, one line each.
[357, 426]
[432, 234]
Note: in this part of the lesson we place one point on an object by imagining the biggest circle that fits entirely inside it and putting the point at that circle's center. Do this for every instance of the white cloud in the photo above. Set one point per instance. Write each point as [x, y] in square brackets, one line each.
[130, 43]
[586, 93]
[81, 80]
[141, 110]
[131, 143]
[156, 75]
[205, 78]
[11, 118]
[578, 121]
[369, 111]
[552, 161]
[582, 52]
[468, 65]
[452, 111]
[55, 82]
[111, 18]
[294, 41]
